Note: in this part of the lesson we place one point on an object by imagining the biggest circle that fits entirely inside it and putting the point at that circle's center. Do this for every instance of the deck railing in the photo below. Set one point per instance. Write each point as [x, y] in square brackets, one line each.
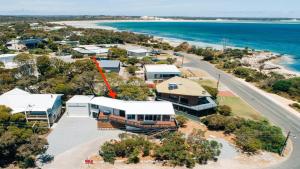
[141, 124]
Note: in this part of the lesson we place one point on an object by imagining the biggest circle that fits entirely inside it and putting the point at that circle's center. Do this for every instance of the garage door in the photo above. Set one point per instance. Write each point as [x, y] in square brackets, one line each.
[78, 110]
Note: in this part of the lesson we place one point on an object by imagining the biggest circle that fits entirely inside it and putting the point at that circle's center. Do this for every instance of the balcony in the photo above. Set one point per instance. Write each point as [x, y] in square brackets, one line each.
[36, 117]
[139, 124]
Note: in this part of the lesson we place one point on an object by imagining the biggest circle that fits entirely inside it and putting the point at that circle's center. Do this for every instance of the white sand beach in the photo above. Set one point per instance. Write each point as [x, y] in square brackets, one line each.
[94, 24]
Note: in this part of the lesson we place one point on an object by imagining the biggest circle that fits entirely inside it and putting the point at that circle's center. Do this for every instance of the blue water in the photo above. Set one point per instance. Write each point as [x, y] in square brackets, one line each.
[282, 38]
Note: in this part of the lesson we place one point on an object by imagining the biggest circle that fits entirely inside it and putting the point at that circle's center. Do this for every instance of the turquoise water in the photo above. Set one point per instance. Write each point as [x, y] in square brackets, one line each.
[282, 38]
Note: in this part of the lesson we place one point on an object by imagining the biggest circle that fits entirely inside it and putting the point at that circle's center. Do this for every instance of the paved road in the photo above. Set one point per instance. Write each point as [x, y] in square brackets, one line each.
[274, 112]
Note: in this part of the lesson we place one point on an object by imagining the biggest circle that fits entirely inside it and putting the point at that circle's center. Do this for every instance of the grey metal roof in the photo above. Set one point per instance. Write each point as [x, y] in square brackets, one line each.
[109, 63]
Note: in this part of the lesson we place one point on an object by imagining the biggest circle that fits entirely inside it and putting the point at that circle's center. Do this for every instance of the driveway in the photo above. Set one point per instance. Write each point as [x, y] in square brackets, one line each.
[74, 139]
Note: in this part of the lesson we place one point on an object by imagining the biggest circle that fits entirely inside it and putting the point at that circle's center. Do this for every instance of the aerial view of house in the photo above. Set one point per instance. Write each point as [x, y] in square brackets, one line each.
[138, 52]
[36, 107]
[186, 95]
[110, 65]
[160, 72]
[134, 115]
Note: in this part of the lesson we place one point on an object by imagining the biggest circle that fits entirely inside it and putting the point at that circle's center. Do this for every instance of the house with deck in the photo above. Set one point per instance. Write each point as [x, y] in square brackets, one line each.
[131, 115]
[186, 95]
[36, 107]
[160, 72]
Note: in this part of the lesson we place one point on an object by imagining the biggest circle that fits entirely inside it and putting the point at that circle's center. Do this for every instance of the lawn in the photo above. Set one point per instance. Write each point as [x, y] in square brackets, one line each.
[239, 107]
[207, 82]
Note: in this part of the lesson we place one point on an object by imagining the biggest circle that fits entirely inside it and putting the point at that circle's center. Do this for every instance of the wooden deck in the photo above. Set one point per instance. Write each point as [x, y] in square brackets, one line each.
[113, 121]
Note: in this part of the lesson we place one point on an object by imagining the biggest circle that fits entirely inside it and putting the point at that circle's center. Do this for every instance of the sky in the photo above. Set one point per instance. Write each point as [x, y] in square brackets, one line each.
[199, 8]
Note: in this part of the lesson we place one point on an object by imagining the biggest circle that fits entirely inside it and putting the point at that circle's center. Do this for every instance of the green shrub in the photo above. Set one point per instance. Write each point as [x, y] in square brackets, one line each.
[225, 110]
[211, 90]
[18, 117]
[181, 120]
[282, 85]
[107, 152]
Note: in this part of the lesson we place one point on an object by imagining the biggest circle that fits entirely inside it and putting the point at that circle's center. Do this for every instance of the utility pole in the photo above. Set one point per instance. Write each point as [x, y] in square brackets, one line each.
[218, 84]
[285, 142]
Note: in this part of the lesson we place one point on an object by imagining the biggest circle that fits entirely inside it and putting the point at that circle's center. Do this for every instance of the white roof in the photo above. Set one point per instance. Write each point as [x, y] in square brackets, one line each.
[136, 107]
[80, 99]
[109, 102]
[95, 49]
[20, 101]
[80, 50]
[162, 68]
[138, 50]
[8, 55]
[150, 108]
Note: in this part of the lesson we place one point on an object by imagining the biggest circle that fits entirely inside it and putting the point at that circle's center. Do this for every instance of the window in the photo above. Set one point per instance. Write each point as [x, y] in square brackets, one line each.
[156, 117]
[202, 100]
[130, 117]
[95, 106]
[148, 117]
[166, 118]
[173, 98]
[184, 100]
[140, 117]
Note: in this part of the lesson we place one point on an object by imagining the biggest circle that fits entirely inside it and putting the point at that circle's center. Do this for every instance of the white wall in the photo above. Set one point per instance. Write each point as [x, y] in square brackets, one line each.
[77, 109]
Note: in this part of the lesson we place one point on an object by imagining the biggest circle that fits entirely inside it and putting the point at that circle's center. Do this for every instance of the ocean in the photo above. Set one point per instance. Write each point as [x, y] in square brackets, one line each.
[281, 38]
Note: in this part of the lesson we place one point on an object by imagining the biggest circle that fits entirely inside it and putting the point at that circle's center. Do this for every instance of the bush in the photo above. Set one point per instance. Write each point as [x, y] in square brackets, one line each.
[181, 120]
[18, 117]
[211, 90]
[225, 110]
[107, 152]
[282, 86]
[251, 136]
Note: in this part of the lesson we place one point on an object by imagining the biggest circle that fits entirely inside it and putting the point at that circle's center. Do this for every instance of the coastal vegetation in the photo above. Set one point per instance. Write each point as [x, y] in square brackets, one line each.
[251, 136]
[174, 149]
[20, 143]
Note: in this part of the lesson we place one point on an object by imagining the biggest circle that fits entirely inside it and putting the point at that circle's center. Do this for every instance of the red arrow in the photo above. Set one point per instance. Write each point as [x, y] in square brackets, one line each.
[111, 93]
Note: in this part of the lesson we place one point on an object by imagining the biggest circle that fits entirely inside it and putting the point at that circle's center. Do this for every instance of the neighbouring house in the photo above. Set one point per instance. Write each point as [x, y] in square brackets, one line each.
[160, 72]
[132, 115]
[84, 52]
[8, 60]
[186, 95]
[36, 107]
[110, 65]
[99, 51]
[138, 52]
[32, 43]
[15, 45]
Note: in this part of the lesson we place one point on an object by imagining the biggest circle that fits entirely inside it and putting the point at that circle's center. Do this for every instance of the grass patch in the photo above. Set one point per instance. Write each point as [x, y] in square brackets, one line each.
[207, 82]
[240, 108]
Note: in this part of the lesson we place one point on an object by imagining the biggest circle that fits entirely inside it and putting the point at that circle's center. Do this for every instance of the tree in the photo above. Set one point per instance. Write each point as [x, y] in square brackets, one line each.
[132, 61]
[25, 63]
[115, 53]
[43, 64]
[132, 69]
[282, 85]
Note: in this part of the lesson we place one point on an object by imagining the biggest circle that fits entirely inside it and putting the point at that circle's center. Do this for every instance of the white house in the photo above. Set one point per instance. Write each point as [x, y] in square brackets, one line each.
[133, 114]
[95, 49]
[7, 59]
[160, 72]
[15, 45]
[138, 52]
[36, 107]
